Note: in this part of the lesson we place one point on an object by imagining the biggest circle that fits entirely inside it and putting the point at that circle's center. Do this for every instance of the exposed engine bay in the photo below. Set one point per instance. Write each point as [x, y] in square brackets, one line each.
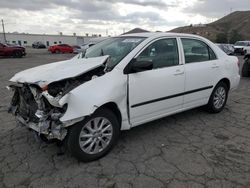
[64, 86]
[39, 109]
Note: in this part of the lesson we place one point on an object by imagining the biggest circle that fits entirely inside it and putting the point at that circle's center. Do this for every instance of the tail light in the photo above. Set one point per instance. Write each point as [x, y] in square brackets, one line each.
[238, 62]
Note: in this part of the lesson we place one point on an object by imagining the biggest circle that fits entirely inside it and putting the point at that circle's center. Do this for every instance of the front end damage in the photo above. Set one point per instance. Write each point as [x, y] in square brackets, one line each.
[38, 107]
[32, 109]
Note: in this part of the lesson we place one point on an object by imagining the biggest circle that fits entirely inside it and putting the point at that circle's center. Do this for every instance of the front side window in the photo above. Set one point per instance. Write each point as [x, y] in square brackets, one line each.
[162, 53]
[117, 48]
[197, 51]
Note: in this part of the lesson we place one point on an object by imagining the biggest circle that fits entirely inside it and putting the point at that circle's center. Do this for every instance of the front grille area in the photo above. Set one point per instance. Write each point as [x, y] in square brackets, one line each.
[238, 50]
[27, 105]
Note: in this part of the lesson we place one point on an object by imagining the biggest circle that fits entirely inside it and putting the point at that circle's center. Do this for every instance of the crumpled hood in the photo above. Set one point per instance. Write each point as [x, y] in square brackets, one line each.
[45, 74]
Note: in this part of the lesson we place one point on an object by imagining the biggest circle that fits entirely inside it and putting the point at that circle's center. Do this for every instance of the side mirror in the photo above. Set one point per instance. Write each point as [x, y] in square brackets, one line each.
[138, 66]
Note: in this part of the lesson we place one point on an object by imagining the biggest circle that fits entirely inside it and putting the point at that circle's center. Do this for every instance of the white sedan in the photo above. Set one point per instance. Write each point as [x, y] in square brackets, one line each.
[120, 83]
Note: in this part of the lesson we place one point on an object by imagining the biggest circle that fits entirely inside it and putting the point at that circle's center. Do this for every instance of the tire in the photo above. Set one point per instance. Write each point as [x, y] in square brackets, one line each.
[57, 51]
[220, 93]
[80, 136]
[17, 54]
[245, 70]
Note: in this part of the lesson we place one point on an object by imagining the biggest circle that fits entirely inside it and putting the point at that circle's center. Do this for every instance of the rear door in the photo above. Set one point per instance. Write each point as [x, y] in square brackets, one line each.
[202, 70]
[157, 92]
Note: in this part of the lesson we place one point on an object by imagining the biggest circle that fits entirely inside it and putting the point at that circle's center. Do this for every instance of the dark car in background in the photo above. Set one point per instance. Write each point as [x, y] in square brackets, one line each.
[246, 66]
[227, 48]
[12, 51]
[61, 48]
[38, 45]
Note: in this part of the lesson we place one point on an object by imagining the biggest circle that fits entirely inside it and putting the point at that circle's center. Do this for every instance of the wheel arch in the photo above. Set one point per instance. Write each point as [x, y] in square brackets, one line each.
[226, 81]
[115, 109]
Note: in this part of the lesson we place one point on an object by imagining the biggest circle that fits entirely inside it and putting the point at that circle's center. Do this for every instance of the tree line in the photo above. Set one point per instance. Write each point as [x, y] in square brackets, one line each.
[228, 37]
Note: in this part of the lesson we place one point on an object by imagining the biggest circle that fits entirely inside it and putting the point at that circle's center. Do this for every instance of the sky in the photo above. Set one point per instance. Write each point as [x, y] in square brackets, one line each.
[110, 17]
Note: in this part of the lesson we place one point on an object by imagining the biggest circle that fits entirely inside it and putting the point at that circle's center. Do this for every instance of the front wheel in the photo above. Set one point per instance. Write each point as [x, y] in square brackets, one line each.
[94, 137]
[218, 98]
[57, 51]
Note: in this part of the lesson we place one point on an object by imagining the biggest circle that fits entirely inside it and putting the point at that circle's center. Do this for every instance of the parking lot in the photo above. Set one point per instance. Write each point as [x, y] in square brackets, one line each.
[191, 149]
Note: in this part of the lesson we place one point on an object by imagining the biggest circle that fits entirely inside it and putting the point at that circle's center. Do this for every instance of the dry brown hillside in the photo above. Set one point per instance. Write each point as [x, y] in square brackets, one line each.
[238, 21]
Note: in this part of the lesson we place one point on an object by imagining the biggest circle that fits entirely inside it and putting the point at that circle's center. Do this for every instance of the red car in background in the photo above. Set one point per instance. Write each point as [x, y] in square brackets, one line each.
[11, 50]
[61, 48]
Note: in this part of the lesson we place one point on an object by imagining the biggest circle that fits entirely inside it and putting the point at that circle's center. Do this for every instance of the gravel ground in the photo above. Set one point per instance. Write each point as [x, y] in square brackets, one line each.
[191, 149]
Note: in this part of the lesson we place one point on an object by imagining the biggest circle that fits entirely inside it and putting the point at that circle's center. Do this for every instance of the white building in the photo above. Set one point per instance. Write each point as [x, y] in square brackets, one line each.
[27, 39]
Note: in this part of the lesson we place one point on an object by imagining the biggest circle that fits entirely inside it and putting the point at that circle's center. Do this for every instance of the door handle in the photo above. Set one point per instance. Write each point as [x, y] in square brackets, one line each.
[214, 66]
[178, 72]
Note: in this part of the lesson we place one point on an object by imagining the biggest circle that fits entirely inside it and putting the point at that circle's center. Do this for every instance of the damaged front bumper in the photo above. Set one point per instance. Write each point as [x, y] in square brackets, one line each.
[39, 111]
[43, 127]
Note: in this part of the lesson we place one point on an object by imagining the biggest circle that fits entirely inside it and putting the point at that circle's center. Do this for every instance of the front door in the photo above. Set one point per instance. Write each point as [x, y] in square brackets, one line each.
[157, 92]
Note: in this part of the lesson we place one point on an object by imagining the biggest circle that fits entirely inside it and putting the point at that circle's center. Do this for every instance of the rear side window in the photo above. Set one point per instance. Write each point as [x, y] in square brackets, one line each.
[163, 53]
[197, 51]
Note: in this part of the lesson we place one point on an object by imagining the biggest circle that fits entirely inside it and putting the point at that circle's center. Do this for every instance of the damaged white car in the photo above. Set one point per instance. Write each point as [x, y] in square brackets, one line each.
[120, 83]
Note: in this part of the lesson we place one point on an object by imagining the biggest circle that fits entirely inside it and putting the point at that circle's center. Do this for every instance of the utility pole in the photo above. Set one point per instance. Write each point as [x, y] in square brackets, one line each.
[3, 32]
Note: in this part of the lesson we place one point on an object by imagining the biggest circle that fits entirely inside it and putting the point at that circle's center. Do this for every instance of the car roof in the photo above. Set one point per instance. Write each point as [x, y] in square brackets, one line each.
[243, 41]
[159, 34]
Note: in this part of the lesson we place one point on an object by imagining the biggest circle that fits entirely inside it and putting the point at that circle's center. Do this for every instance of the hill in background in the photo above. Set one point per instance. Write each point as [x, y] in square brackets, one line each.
[233, 27]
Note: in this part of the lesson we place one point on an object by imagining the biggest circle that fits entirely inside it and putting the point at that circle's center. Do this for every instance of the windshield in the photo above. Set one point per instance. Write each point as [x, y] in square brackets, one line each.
[117, 48]
[240, 44]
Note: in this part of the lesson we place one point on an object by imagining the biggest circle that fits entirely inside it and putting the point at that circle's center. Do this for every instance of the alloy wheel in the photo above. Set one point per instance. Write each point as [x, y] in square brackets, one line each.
[95, 135]
[219, 97]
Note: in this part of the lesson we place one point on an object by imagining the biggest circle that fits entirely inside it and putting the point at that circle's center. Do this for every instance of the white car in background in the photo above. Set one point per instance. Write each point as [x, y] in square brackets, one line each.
[246, 50]
[121, 83]
[240, 47]
[92, 42]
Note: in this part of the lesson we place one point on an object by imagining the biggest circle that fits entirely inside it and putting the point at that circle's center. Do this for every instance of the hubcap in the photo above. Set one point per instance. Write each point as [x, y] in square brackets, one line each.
[219, 97]
[96, 135]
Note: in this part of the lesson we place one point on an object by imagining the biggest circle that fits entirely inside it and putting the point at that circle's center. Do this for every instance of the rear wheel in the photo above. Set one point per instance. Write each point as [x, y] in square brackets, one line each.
[17, 54]
[218, 98]
[95, 136]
